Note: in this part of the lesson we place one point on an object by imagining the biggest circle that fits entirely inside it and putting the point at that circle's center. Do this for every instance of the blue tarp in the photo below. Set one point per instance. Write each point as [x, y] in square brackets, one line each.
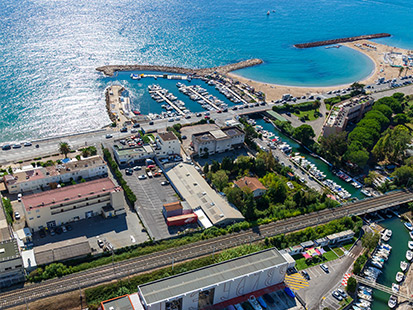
[65, 160]
[289, 292]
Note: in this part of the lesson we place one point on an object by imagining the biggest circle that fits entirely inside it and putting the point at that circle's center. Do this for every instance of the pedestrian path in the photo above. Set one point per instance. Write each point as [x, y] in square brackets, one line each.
[296, 281]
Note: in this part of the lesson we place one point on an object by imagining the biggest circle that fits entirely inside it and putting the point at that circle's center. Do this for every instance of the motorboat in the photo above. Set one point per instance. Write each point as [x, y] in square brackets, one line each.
[399, 277]
[366, 192]
[409, 255]
[395, 287]
[403, 265]
[366, 289]
[385, 246]
[377, 264]
[410, 244]
[262, 302]
[364, 296]
[254, 303]
[238, 307]
[392, 302]
[408, 225]
[135, 76]
[411, 234]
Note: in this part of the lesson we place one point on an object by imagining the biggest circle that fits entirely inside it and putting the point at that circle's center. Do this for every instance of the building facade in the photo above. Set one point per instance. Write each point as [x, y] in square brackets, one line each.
[41, 178]
[71, 203]
[345, 112]
[11, 263]
[217, 141]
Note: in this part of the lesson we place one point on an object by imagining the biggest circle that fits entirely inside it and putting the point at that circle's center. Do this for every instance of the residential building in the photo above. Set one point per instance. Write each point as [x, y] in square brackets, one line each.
[193, 188]
[168, 144]
[220, 285]
[132, 150]
[217, 141]
[71, 203]
[11, 263]
[40, 178]
[339, 237]
[126, 302]
[252, 184]
[343, 113]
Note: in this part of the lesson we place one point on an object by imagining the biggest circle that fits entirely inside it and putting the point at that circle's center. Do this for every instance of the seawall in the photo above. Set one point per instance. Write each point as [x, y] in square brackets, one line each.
[342, 40]
[111, 69]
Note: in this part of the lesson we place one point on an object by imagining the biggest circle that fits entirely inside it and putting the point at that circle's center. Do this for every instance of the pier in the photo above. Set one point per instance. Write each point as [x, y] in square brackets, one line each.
[342, 40]
[111, 69]
[232, 92]
[205, 99]
[159, 93]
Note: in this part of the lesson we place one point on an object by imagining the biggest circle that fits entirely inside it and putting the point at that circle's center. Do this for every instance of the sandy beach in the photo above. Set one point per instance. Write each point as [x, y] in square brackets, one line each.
[275, 91]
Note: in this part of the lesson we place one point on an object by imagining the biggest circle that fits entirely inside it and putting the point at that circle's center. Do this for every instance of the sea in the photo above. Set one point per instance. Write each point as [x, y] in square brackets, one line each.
[49, 49]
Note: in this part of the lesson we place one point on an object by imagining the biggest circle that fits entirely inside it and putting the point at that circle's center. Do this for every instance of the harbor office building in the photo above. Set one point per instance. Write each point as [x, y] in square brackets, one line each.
[72, 203]
[216, 286]
[343, 113]
[40, 178]
[217, 141]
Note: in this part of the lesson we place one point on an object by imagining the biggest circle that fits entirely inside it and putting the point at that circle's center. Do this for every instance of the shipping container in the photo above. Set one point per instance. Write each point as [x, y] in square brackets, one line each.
[181, 220]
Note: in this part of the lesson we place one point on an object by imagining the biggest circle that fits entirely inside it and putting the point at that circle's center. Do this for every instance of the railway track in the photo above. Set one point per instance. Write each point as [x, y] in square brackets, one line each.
[164, 258]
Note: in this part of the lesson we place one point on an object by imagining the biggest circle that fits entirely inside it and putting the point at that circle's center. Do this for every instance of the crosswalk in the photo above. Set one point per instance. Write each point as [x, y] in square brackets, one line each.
[296, 281]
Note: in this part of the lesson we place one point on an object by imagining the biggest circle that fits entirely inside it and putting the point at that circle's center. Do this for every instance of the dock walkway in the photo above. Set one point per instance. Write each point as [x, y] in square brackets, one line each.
[231, 91]
[205, 99]
[159, 93]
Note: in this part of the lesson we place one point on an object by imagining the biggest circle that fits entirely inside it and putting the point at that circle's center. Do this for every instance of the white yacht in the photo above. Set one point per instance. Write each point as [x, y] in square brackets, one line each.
[403, 266]
[399, 277]
[409, 255]
[392, 302]
[410, 244]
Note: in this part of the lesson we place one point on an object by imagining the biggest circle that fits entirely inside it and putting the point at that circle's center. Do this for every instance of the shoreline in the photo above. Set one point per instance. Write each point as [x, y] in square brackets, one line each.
[275, 91]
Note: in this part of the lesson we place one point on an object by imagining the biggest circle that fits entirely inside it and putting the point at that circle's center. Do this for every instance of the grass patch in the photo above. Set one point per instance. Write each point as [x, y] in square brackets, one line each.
[310, 115]
[348, 245]
[345, 302]
[338, 251]
[302, 263]
[328, 106]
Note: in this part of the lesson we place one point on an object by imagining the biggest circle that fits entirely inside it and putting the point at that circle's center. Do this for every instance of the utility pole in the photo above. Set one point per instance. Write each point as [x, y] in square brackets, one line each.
[113, 263]
[173, 260]
[27, 305]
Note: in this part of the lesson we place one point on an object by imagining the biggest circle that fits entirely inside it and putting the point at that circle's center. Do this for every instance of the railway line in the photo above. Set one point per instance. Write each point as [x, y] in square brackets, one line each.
[190, 251]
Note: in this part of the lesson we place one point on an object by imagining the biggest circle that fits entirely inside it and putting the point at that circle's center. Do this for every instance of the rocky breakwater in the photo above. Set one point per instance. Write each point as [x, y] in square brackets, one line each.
[111, 69]
[342, 40]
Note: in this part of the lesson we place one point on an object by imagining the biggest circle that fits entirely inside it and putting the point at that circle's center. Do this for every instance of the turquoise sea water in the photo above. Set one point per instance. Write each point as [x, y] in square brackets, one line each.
[49, 49]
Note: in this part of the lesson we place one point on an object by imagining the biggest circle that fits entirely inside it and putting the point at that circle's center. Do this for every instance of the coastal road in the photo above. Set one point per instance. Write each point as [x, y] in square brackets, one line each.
[160, 259]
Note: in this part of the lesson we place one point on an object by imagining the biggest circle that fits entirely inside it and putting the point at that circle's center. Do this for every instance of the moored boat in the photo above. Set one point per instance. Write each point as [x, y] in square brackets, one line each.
[399, 277]
[403, 266]
[410, 244]
[409, 255]
[392, 302]
[408, 225]
[395, 287]
[254, 303]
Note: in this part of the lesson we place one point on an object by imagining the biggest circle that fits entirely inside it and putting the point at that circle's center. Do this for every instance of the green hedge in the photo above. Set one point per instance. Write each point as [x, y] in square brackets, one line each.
[8, 210]
[130, 196]
[304, 106]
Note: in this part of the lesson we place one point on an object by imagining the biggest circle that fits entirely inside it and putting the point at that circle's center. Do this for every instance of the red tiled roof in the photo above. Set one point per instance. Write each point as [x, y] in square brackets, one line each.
[70, 192]
[252, 183]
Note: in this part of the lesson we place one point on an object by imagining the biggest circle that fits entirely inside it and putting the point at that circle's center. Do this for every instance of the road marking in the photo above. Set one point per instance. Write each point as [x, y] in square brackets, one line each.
[296, 281]
[345, 278]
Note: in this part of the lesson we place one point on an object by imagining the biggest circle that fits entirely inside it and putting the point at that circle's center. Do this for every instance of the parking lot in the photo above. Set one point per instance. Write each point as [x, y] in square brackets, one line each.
[151, 196]
[122, 230]
[318, 292]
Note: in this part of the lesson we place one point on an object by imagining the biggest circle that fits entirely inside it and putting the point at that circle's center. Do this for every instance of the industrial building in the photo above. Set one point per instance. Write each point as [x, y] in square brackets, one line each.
[218, 283]
[71, 203]
[40, 178]
[214, 287]
[217, 141]
[193, 188]
[343, 113]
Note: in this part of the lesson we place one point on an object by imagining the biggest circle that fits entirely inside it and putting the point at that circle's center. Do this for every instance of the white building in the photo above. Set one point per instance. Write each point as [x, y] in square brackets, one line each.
[216, 285]
[71, 203]
[167, 143]
[11, 263]
[41, 178]
[217, 141]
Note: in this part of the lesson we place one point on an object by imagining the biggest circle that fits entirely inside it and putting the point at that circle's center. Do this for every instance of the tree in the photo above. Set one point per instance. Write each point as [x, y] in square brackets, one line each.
[400, 118]
[64, 148]
[249, 205]
[357, 86]
[384, 109]
[379, 116]
[357, 154]
[85, 152]
[304, 133]
[334, 146]
[362, 135]
[370, 240]
[351, 285]
[403, 175]
[220, 179]
[391, 102]
[215, 166]
[227, 164]
[234, 195]
[206, 168]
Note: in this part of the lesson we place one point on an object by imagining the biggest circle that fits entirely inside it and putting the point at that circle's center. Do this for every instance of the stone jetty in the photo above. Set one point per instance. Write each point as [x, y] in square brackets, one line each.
[342, 40]
[111, 69]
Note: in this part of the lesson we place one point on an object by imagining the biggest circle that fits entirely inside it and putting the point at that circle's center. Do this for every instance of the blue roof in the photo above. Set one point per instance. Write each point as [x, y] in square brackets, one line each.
[65, 160]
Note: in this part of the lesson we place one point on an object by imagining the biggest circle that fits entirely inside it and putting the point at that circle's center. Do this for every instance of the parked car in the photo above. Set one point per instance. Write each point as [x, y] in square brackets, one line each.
[305, 275]
[337, 296]
[42, 233]
[69, 227]
[108, 136]
[165, 183]
[59, 230]
[136, 125]
[325, 268]
[100, 243]
[17, 215]
[17, 146]
[151, 123]
[124, 129]
[6, 147]
[142, 177]
[52, 232]
[129, 171]
[137, 168]
[342, 293]
[27, 144]
[19, 197]
[64, 229]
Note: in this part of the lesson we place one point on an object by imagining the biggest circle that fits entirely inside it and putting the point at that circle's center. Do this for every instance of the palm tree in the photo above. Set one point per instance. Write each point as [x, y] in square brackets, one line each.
[85, 152]
[64, 148]
[401, 70]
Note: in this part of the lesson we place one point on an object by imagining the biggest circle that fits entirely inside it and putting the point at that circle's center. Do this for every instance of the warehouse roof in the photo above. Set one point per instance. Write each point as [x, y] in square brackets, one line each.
[198, 279]
[63, 250]
[196, 191]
